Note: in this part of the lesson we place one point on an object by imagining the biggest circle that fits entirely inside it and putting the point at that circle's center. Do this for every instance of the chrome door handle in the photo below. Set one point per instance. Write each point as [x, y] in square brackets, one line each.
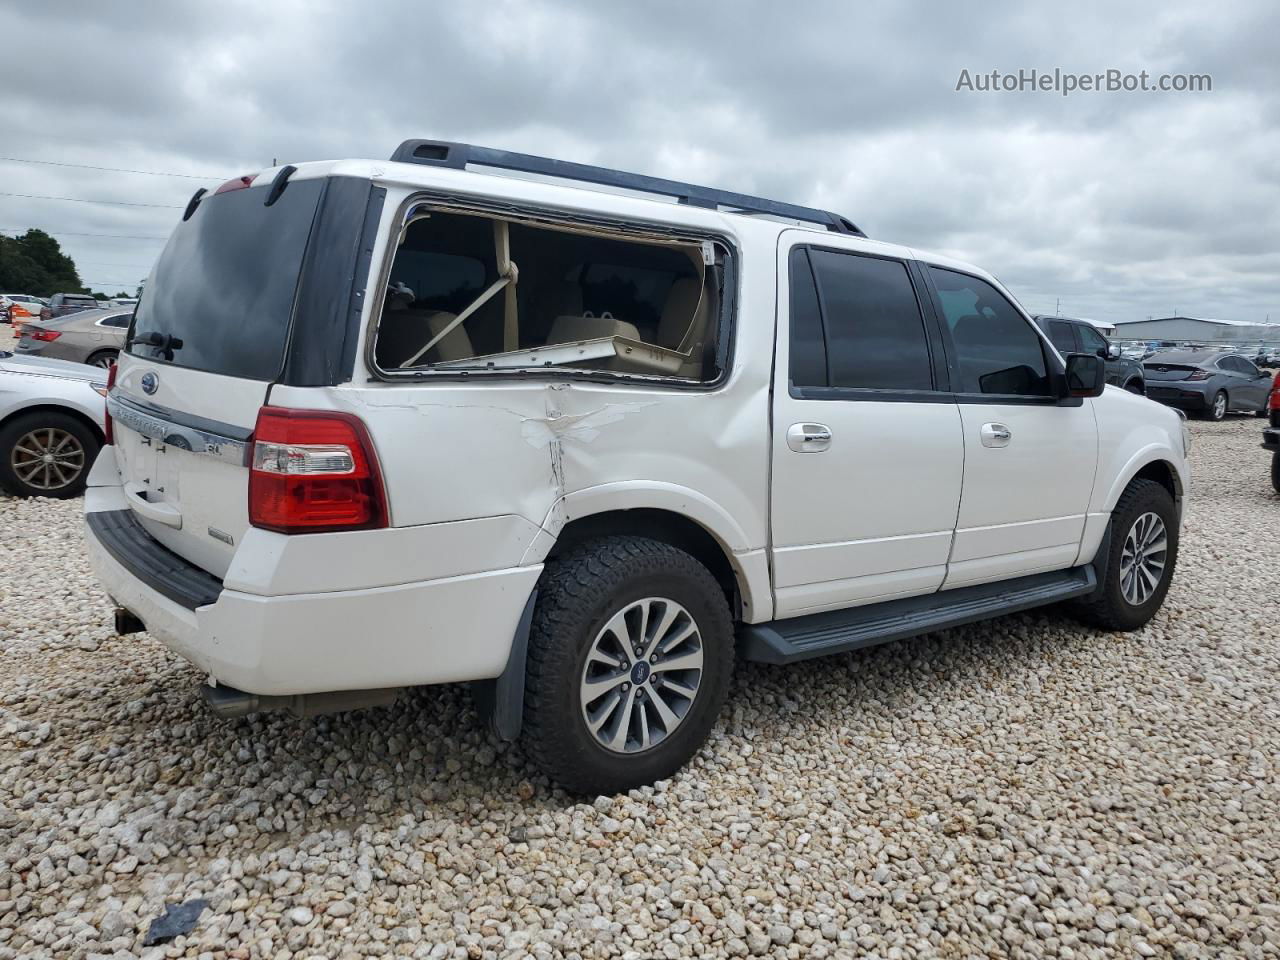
[995, 435]
[808, 437]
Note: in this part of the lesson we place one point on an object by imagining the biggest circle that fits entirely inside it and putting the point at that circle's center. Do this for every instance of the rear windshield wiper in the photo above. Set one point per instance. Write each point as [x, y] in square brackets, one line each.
[165, 342]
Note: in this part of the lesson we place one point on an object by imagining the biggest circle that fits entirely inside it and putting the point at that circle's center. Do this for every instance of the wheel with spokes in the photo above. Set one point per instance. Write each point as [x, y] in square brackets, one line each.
[103, 358]
[630, 653]
[1142, 554]
[46, 454]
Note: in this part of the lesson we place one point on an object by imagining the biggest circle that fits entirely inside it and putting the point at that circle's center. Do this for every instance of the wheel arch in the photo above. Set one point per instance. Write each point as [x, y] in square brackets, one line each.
[1149, 464]
[71, 412]
[670, 527]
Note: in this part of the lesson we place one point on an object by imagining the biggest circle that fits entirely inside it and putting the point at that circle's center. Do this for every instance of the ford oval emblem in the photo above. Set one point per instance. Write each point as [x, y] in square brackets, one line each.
[150, 383]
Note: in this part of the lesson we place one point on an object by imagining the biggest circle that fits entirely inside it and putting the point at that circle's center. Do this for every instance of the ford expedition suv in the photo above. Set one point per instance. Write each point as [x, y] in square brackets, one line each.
[584, 438]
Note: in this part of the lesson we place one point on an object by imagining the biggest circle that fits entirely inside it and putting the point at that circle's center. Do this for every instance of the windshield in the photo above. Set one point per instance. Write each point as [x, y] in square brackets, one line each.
[220, 298]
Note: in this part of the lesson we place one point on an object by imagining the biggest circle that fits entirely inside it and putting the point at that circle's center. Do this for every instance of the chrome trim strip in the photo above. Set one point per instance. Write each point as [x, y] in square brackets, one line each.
[227, 449]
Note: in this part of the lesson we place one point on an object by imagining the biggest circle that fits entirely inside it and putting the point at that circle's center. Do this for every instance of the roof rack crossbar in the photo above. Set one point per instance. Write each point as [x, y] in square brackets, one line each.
[442, 153]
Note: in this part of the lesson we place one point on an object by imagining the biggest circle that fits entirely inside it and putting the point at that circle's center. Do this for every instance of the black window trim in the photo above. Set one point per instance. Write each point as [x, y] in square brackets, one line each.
[1053, 364]
[928, 317]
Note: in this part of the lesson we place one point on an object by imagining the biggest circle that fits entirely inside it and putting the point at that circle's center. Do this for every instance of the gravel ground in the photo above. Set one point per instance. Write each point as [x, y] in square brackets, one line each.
[1013, 789]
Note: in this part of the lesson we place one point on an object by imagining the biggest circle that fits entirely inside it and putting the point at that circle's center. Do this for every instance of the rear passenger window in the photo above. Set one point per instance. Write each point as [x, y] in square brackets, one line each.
[997, 351]
[875, 333]
[808, 348]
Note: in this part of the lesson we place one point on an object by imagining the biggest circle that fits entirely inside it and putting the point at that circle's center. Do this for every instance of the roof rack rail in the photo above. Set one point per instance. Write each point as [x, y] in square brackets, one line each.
[443, 153]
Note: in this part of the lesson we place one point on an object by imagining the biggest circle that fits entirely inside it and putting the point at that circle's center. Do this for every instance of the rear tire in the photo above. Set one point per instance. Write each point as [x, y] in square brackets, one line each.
[1275, 471]
[1217, 410]
[26, 440]
[103, 358]
[1135, 386]
[596, 604]
[1126, 599]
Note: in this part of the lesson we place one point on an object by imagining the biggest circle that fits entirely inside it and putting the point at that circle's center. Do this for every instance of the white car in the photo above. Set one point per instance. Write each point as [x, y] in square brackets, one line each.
[51, 425]
[20, 307]
[587, 447]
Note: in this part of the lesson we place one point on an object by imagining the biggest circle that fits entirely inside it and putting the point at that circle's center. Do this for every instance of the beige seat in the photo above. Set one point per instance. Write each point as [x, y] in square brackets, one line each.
[572, 329]
[403, 332]
[683, 325]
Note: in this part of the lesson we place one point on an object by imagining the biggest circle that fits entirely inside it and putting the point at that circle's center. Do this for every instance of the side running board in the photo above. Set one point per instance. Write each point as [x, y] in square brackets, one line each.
[818, 634]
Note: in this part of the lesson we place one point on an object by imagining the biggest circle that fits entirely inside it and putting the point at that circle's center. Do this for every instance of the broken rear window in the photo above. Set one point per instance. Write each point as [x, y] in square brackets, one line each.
[471, 292]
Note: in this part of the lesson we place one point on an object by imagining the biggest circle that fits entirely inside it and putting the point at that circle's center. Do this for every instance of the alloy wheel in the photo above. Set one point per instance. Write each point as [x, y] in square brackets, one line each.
[642, 674]
[47, 458]
[1219, 406]
[1142, 559]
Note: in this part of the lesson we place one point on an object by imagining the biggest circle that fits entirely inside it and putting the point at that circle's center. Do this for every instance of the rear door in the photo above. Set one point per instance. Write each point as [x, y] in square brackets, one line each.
[867, 452]
[208, 339]
[1249, 386]
[1029, 460]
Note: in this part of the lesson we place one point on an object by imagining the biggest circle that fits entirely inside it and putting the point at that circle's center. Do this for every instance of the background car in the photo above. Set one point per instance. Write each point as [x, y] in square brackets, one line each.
[51, 425]
[19, 307]
[94, 337]
[1071, 335]
[62, 304]
[1207, 382]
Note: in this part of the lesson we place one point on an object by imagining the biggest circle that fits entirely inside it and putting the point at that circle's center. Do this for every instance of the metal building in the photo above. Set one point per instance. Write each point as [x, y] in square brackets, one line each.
[1200, 330]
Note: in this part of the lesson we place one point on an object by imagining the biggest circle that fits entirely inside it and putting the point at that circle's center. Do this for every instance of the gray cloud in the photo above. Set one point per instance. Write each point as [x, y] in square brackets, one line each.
[1123, 205]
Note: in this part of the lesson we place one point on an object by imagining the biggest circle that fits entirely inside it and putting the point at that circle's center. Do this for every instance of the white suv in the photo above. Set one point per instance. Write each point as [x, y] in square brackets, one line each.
[586, 437]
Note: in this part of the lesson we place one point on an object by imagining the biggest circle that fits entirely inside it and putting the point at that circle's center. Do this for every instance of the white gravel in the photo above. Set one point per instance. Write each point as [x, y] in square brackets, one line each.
[1021, 788]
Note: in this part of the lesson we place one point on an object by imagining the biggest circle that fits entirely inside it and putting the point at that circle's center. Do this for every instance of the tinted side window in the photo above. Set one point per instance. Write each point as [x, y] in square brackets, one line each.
[119, 320]
[1092, 340]
[875, 333]
[1248, 368]
[1062, 337]
[808, 347]
[997, 351]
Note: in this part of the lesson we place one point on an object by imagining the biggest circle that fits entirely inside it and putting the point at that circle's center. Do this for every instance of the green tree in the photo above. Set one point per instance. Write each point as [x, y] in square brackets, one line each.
[34, 263]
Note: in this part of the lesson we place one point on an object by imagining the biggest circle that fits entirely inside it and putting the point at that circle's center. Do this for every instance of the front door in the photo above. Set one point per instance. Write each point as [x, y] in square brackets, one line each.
[867, 455]
[1029, 459]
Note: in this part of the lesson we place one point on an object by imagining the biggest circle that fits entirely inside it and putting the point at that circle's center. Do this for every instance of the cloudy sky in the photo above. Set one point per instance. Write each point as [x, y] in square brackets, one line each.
[1121, 205]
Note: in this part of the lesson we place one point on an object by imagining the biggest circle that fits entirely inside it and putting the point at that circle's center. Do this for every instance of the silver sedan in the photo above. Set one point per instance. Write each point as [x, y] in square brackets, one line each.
[1207, 382]
[95, 337]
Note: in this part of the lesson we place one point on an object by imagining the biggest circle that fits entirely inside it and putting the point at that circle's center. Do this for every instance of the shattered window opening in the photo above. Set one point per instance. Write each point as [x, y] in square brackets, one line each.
[473, 292]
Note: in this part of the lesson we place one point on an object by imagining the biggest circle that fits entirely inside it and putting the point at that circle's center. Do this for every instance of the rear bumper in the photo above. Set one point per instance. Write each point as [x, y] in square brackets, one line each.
[432, 631]
[1178, 397]
[1271, 440]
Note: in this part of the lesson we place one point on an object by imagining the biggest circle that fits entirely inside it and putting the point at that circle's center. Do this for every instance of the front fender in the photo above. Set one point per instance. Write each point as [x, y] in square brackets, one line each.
[1151, 453]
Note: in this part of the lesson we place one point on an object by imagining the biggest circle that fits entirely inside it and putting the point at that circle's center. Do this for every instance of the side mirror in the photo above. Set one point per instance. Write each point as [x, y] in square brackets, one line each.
[1086, 375]
[1113, 351]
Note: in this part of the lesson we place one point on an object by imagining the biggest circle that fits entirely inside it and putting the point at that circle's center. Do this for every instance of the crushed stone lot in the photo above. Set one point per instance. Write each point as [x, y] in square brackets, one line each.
[1021, 788]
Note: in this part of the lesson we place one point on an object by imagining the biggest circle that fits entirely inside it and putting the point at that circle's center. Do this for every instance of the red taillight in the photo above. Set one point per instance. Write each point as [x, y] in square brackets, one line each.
[1273, 403]
[236, 183]
[314, 471]
[44, 336]
[106, 414]
[1198, 375]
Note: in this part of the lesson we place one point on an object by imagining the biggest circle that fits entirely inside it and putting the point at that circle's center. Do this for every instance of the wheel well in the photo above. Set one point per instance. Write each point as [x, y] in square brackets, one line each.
[673, 528]
[1162, 473]
[55, 408]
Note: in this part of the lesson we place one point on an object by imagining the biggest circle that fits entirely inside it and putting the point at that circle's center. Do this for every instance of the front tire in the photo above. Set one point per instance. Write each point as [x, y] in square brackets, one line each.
[46, 454]
[630, 653]
[1142, 555]
[1135, 386]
